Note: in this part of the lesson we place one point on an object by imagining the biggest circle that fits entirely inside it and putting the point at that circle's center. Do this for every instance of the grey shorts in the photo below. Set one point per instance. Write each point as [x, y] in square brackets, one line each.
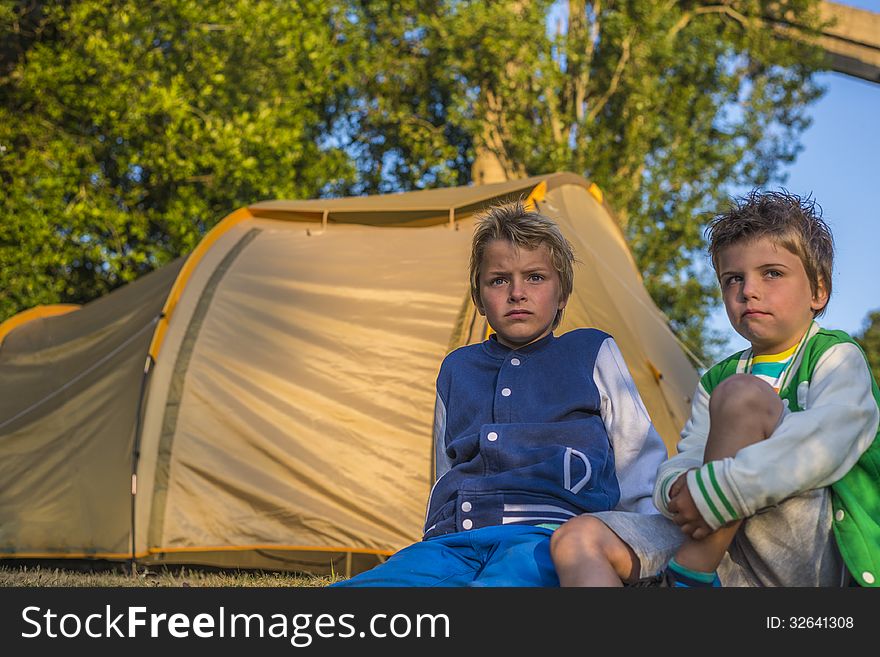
[654, 538]
[790, 544]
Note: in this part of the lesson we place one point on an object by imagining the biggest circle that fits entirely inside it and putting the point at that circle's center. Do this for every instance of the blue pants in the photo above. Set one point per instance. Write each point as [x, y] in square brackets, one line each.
[503, 555]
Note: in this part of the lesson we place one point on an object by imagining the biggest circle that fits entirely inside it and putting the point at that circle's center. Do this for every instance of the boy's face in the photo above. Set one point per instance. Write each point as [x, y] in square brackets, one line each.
[767, 294]
[519, 291]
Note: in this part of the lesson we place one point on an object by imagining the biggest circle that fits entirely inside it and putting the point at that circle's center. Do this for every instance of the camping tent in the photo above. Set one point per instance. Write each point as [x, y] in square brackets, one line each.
[268, 401]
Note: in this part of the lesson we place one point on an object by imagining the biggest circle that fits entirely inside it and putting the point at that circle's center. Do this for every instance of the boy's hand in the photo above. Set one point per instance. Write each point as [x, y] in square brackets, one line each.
[685, 513]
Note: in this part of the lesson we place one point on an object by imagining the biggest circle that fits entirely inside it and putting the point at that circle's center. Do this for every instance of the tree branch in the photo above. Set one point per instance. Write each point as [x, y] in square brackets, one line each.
[615, 79]
[436, 129]
[552, 106]
[591, 48]
[711, 9]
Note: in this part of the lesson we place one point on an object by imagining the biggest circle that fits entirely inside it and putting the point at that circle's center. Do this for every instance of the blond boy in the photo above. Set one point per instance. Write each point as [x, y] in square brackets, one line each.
[530, 429]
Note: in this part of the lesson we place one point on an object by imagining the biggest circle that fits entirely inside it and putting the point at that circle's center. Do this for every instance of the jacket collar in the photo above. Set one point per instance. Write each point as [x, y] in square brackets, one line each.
[499, 351]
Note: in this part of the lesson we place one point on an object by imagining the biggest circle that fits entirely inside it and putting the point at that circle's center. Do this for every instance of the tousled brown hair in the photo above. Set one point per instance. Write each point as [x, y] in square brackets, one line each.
[791, 221]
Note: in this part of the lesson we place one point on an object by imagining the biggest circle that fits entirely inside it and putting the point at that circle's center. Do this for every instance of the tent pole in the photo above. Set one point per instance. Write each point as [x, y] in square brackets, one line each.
[136, 449]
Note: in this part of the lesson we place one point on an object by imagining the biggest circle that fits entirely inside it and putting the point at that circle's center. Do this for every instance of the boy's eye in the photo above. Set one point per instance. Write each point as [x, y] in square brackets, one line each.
[730, 280]
[536, 277]
[773, 273]
[498, 281]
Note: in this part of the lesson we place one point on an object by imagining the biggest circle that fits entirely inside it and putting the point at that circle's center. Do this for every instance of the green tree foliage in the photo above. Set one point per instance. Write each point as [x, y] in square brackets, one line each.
[869, 339]
[127, 129]
[668, 106]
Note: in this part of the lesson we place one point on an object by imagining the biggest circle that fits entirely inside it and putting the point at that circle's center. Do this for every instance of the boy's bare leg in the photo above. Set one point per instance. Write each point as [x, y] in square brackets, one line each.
[743, 410]
[587, 553]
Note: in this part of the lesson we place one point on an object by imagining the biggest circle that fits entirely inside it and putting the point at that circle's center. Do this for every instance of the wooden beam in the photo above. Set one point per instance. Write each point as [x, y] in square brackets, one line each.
[853, 42]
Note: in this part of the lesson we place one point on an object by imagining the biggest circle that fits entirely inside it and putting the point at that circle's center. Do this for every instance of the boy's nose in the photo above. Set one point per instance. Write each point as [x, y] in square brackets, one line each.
[750, 289]
[517, 292]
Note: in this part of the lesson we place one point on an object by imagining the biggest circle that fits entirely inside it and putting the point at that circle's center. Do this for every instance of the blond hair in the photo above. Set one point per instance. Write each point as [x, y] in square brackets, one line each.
[513, 223]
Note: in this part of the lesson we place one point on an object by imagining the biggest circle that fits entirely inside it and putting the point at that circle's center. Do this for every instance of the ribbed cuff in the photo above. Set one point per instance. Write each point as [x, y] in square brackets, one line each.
[661, 497]
[711, 501]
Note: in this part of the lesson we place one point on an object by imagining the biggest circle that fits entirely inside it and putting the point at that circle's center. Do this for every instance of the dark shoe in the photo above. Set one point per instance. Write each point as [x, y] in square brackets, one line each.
[659, 580]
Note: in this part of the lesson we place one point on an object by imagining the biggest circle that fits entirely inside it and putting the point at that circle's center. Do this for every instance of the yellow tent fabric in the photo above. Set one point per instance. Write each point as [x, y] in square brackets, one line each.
[269, 401]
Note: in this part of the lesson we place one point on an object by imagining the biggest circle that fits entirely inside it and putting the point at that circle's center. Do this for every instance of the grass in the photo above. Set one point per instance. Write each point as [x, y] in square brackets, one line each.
[35, 575]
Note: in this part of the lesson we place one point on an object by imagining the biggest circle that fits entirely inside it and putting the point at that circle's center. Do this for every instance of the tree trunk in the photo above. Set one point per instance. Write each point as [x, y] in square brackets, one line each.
[487, 168]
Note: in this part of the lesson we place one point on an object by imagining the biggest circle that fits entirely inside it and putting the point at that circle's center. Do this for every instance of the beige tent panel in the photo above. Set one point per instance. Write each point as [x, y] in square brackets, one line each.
[165, 386]
[71, 386]
[326, 398]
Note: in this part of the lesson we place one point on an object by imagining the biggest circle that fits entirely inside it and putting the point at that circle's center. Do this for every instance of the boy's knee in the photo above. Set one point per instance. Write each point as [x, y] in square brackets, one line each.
[580, 537]
[743, 396]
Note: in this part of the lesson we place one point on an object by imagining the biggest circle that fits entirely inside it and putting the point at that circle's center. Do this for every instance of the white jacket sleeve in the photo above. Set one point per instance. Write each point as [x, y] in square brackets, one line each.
[441, 460]
[811, 448]
[689, 452]
[638, 448]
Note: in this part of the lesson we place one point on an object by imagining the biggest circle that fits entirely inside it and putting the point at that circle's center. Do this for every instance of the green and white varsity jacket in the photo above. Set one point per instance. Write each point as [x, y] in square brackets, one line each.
[830, 439]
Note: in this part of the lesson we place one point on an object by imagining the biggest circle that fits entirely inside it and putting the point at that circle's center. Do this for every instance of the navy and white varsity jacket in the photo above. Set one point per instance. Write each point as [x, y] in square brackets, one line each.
[539, 434]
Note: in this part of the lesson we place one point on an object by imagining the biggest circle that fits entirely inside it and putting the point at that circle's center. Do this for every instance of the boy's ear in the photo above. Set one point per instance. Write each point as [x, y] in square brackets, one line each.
[820, 299]
[562, 303]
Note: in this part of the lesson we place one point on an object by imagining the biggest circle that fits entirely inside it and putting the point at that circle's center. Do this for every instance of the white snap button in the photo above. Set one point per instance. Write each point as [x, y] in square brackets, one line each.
[868, 577]
[515, 361]
[467, 524]
[492, 436]
[466, 506]
[839, 515]
[505, 392]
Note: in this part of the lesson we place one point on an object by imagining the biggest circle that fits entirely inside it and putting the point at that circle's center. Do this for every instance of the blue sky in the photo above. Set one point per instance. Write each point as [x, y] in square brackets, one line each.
[840, 166]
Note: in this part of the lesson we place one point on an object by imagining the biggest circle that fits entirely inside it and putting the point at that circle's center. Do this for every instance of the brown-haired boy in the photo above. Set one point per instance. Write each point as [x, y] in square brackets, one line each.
[775, 482]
